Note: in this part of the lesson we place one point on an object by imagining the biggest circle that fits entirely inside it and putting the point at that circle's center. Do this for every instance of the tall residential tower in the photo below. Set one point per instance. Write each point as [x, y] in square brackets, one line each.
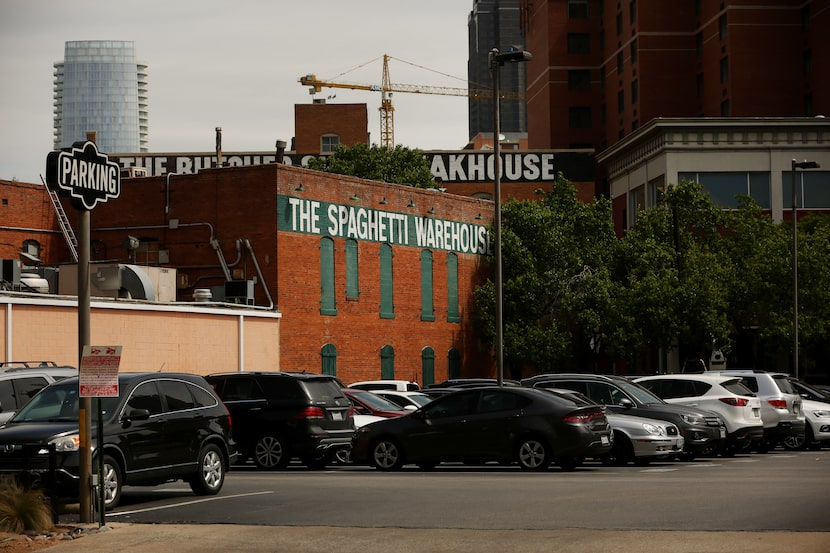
[99, 86]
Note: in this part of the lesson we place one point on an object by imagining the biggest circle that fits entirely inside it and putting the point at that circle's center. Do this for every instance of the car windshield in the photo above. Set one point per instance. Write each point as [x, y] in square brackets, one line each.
[420, 399]
[641, 394]
[59, 403]
[737, 387]
[784, 384]
[375, 401]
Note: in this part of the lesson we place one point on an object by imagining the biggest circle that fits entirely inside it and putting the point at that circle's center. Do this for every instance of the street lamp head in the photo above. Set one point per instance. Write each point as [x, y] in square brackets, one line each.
[805, 164]
[511, 56]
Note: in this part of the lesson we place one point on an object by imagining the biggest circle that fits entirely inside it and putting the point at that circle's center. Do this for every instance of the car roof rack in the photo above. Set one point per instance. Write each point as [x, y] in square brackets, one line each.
[26, 364]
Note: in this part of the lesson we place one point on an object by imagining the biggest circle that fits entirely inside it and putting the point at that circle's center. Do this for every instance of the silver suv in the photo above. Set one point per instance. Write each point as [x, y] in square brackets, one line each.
[780, 404]
[21, 380]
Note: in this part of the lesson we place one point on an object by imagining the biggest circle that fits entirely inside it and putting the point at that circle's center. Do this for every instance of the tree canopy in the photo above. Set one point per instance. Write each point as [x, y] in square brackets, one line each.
[686, 275]
[397, 165]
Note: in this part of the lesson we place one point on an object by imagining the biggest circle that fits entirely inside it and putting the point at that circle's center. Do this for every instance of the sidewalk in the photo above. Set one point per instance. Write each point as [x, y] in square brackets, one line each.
[177, 538]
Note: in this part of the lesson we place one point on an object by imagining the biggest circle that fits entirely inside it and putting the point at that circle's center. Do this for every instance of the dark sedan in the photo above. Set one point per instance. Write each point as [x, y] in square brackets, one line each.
[506, 424]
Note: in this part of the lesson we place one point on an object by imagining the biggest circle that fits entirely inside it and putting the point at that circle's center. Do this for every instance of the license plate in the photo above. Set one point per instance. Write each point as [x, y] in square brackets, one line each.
[337, 416]
[604, 440]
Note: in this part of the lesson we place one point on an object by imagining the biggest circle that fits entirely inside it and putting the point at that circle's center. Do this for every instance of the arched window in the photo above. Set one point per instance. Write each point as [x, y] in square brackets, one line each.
[352, 286]
[427, 366]
[387, 362]
[453, 315]
[454, 360]
[329, 143]
[327, 304]
[329, 356]
[427, 308]
[387, 306]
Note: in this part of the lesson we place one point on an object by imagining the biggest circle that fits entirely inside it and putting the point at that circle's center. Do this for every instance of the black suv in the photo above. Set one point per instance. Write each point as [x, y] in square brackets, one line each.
[161, 427]
[279, 415]
[704, 431]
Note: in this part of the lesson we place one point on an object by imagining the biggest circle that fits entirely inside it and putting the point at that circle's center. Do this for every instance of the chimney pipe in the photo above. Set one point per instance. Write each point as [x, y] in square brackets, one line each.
[219, 146]
[281, 144]
[92, 136]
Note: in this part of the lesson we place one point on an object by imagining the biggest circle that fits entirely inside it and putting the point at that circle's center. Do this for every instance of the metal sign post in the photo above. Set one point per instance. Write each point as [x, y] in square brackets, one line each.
[88, 177]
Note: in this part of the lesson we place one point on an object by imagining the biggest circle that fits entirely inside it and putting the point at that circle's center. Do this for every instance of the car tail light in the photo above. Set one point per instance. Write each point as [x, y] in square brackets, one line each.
[735, 401]
[582, 417]
[778, 403]
[310, 413]
[351, 411]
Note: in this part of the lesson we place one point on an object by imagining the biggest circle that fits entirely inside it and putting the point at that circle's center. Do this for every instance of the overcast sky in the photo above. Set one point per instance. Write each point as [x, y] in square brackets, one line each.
[236, 65]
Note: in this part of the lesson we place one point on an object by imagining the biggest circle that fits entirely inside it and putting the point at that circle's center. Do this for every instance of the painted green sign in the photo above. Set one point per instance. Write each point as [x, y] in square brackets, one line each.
[375, 225]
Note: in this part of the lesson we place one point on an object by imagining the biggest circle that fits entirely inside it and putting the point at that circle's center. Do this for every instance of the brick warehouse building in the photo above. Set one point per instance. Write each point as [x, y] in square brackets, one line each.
[384, 292]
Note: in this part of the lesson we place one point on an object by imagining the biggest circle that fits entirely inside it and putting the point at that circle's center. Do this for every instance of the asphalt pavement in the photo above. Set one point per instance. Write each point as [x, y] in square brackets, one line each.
[221, 538]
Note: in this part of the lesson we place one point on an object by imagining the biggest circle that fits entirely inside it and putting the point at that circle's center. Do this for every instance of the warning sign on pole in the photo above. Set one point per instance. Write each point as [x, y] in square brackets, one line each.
[98, 373]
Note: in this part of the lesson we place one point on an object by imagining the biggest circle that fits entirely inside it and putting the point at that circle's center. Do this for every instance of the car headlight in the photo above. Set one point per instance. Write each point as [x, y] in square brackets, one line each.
[66, 443]
[820, 414]
[653, 429]
[692, 419]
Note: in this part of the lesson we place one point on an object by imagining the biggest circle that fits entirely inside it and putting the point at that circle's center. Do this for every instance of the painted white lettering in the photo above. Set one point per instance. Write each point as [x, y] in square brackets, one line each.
[184, 165]
[438, 169]
[531, 162]
[513, 166]
[548, 172]
[457, 167]
[476, 167]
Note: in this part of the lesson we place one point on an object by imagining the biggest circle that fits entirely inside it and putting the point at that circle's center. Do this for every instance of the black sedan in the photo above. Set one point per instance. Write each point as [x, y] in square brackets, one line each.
[506, 424]
[161, 427]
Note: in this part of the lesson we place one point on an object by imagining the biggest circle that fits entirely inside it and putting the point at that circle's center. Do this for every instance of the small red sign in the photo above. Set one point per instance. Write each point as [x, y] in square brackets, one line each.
[98, 373]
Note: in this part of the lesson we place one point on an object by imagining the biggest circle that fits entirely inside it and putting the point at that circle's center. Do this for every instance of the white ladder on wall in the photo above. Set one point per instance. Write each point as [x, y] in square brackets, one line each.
[66, 228]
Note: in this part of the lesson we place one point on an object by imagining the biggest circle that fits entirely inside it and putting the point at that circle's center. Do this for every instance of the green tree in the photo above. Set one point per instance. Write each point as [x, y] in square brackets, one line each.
[397, 165]
[673, 278]
[555, 255]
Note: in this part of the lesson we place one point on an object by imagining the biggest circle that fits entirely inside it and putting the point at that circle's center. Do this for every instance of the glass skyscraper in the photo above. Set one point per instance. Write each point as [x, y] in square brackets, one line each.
[99, 86]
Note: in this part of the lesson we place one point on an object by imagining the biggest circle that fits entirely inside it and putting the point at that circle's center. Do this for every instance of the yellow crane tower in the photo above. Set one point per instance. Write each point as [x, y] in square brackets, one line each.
[386, 88]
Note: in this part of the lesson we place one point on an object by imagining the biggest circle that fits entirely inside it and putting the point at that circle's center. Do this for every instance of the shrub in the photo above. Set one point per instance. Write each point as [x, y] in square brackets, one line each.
[23, 508]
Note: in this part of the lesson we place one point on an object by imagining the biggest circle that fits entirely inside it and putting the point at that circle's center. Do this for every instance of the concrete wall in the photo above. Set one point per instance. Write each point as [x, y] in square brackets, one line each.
[196, 339]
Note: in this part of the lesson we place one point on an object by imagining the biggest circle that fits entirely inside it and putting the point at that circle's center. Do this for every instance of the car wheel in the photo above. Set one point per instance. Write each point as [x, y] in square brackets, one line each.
[270, 453]
[112, 482]
[532, 454]
[568, 464]
[387, 455]
[210, 474]
[810, 439]
[317, 463]
[794, 442]
[621, 452]
[343, 455]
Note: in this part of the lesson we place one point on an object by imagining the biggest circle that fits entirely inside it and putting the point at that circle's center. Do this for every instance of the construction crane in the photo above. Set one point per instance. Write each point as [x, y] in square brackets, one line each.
[386, 88]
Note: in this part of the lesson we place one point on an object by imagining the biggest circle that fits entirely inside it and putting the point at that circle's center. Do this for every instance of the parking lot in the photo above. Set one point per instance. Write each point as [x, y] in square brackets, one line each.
[781, 490]
[752, 502]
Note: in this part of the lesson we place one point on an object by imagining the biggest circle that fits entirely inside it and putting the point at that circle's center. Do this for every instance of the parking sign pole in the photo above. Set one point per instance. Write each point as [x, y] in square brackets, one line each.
[85, 405]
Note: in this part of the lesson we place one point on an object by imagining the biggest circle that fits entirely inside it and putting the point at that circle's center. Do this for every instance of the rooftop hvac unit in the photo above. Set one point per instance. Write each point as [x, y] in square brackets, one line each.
[236, 290]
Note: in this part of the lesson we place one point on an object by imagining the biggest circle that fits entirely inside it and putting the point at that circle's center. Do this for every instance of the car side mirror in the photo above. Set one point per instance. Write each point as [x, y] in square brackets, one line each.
[409, 408]
[627, 403]
[136, 415]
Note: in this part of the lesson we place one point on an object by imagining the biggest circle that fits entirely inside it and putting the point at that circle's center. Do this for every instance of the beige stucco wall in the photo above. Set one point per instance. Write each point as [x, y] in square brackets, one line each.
[184, 337]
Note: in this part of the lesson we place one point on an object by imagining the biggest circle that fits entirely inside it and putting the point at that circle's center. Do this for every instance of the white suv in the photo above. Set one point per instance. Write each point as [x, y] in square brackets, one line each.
[725, 395]
[781, 408]
[20, 381]
[399, 385]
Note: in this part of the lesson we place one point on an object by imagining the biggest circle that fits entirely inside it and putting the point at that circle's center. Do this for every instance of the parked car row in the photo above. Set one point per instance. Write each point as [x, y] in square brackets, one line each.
[169, 426]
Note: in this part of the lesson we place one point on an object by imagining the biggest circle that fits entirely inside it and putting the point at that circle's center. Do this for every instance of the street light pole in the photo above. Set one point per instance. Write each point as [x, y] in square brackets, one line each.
[496, 60]
[796, 165]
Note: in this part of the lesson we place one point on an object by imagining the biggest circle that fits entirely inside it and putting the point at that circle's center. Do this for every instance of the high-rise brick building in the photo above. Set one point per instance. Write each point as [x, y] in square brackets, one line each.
[602, 69]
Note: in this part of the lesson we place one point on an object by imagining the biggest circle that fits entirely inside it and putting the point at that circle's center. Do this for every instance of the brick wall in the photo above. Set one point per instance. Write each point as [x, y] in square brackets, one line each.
[26, 213]
[217, 209]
